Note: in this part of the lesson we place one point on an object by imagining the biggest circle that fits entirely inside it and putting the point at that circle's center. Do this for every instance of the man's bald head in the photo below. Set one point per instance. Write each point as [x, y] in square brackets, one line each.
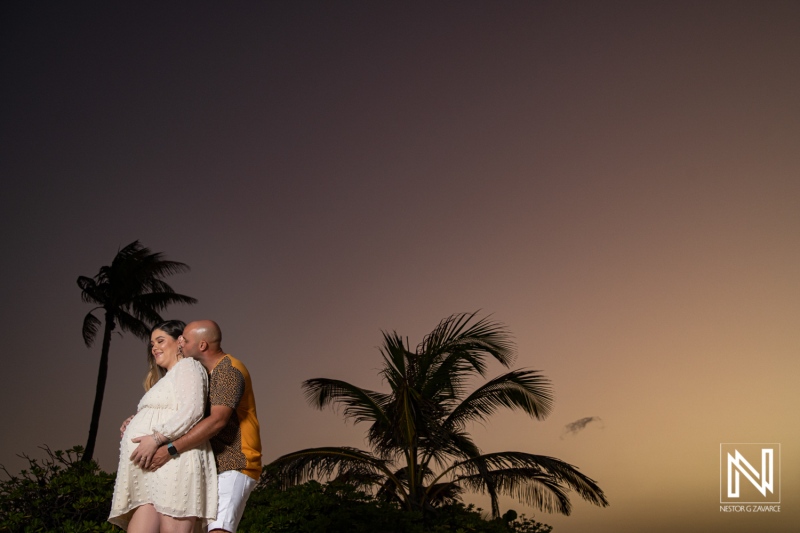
[206, 330]
[202, 340]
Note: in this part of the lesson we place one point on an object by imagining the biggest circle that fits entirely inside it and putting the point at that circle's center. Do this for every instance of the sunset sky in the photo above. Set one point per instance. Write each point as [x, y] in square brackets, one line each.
[617, 182]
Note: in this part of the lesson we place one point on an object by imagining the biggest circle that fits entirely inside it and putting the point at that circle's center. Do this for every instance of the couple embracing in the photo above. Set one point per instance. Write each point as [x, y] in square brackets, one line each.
[183, 468]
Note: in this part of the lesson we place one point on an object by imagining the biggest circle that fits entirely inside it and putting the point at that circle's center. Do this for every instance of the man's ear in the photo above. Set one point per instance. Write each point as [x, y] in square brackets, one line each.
[203, 346]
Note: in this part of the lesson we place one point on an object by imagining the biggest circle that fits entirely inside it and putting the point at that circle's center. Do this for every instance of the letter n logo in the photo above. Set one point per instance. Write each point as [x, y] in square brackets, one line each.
[749, 473]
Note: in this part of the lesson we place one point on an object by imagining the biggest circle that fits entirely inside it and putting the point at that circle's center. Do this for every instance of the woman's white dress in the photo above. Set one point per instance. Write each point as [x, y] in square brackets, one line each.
[185, 486]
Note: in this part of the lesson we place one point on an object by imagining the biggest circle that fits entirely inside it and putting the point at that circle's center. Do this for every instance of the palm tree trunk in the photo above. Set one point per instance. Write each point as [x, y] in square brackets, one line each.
[101, 387]
[413, 479]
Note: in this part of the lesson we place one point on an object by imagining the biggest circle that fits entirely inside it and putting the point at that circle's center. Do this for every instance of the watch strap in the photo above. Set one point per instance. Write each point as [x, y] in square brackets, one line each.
[172, 450]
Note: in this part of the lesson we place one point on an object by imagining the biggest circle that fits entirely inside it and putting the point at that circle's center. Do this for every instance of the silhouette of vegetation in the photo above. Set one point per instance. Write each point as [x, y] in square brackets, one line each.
[58, 493]
[63, 494]
[131, 293]
[422, 455]
[339, 507]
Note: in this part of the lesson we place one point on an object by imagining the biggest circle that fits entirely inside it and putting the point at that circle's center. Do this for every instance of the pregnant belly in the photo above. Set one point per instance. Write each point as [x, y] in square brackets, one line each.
[145, 420]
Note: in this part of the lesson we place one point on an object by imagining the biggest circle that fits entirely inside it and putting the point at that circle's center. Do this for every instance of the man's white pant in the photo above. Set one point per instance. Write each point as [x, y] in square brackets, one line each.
[234, 489]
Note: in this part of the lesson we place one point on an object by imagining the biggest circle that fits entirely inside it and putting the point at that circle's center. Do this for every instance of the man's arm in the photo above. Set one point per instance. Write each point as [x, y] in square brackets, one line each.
[200, 433]
[205, 429]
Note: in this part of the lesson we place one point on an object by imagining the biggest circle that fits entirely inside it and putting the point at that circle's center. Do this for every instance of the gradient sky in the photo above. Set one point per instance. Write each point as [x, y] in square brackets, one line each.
[617, 182]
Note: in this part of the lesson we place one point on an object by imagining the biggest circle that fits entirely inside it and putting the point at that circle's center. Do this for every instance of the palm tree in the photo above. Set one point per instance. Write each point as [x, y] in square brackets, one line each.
[131, 294]
[422, 454]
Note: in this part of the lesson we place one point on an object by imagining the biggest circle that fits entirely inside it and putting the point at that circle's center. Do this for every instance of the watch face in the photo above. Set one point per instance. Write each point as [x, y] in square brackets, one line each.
[172, 451]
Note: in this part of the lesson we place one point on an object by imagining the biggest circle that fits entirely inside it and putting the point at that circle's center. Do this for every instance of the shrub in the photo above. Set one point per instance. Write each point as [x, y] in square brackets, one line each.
[316, 508]
[337, 507]
[57, 493]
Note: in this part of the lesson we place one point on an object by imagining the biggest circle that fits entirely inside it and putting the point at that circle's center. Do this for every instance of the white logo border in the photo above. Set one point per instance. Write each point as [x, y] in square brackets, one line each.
[722, 469]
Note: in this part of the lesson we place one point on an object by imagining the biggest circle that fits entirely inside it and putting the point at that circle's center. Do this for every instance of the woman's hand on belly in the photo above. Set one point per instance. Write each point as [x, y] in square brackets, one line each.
[142, 456]
[124, 426]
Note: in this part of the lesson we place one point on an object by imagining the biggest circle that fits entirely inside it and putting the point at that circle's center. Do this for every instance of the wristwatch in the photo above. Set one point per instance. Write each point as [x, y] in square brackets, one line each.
[172, 450]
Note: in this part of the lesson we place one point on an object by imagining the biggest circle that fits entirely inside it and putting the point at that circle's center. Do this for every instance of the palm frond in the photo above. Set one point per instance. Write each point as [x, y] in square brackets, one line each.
[91, 324]
[147, 314]
[89, 291]
[130, 323]
[159, 301]
[455, 351]
[131, 249]
[158, 286]
[327, 462]
[459, 446]
[396, 360]
[397, 432]
[361, 405]
[529, 486]
[556, 469]
[481, 476]
[453, 337]
[523, 389]
[155, 285]
[444, 493]
[154, 267]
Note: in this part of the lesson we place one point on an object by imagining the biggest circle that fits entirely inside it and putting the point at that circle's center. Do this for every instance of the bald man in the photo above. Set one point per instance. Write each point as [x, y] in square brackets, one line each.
[232, 426]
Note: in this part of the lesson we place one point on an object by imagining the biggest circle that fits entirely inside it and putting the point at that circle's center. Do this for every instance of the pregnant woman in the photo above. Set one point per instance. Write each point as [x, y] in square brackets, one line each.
[184, 491]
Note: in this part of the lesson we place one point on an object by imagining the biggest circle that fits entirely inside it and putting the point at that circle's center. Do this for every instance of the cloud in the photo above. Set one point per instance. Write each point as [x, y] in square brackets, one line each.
[574, 427]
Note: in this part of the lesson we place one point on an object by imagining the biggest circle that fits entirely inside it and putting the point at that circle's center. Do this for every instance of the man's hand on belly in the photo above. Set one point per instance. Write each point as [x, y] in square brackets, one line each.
[159, 459]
